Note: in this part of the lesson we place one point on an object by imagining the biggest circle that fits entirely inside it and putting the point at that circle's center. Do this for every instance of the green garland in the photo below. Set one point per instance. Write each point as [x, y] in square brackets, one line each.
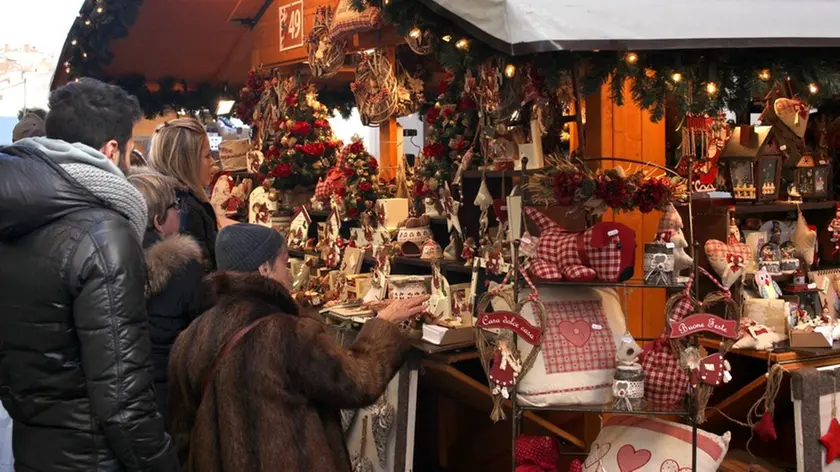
[737, 76]
[88, 50]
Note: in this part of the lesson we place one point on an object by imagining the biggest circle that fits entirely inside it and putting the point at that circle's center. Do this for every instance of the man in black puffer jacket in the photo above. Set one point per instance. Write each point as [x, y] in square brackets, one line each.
[75, 363]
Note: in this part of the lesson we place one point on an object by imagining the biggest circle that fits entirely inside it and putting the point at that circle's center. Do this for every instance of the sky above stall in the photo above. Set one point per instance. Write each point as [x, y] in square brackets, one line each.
[40, 23]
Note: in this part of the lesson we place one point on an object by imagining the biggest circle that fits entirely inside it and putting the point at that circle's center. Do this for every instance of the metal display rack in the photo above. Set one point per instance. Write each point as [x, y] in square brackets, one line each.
[688, 411]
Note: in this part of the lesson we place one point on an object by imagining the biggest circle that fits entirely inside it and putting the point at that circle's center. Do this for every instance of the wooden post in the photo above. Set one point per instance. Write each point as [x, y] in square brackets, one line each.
[389, 136]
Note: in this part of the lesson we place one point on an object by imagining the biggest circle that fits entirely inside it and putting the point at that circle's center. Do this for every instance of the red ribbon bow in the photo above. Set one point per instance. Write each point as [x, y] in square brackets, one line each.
[734, 260]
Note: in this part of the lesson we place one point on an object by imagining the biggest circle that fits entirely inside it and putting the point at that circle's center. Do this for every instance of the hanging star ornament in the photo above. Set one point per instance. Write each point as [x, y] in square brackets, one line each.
[831, 441]
[450, 209]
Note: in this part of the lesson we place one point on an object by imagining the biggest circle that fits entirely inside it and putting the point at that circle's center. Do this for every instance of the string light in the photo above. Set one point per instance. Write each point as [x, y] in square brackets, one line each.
[510, 70]
[415, 33]
[711, 88]
[74, 42]
[676, 77]
[813, 88]
[99, 9]
[462, 44]
[631, 58]
[87, 22]
[84, 54]
[447, 38]
[387, 2]
[764, 75]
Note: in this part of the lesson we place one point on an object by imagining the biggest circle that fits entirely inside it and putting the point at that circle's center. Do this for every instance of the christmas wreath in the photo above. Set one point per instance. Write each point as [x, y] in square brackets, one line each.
[569, 184]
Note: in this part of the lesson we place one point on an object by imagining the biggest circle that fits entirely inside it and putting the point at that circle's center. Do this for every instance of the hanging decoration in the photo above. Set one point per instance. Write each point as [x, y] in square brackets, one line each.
[703, 139]
[421, 42]
[375, 89]
[325, 56]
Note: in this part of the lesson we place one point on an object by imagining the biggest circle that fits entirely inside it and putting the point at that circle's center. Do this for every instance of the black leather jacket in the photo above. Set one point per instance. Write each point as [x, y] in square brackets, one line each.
[199, 221]
[75, 355]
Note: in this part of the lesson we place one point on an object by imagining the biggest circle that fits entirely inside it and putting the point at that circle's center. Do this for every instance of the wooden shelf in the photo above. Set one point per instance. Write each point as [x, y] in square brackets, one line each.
[757, 208]
[628, 284]
[647, 409]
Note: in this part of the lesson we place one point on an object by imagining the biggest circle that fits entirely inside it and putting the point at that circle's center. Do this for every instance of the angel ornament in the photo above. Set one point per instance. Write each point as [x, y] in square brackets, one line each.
[504, 368]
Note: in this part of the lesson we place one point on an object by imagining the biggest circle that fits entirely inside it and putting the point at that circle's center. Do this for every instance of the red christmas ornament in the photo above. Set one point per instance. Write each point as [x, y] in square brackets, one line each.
[831, 441]
[765, 429]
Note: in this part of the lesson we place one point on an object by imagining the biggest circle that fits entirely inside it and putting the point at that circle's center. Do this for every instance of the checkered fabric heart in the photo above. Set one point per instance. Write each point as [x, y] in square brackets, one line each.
[729, 261]
[347, 21]
[666, 383]
[540, 451]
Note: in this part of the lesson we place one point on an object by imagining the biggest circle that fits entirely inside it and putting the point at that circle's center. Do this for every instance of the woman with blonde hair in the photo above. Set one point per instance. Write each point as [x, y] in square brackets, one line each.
[181, 150]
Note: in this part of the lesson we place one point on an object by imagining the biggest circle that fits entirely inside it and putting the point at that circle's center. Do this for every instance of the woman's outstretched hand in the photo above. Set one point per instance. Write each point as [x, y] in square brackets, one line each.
[401, 310]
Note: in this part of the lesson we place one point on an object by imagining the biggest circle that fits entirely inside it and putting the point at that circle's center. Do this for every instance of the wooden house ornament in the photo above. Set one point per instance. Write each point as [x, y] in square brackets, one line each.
[812, 177]
[753, 164]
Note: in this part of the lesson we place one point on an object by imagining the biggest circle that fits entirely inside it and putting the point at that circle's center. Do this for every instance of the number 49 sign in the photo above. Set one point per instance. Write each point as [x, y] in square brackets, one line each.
[291, 25]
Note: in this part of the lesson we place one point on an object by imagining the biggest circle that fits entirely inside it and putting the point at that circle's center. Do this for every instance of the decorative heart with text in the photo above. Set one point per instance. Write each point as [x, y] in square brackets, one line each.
[793, 113]
[670, 465]
[596, 453]
[576, 332]
[629, 459]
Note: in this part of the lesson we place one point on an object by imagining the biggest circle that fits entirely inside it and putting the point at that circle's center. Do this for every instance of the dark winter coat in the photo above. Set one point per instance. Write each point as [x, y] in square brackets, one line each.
[199, 221]
[174, 298]
[274, 403]
[75, 363]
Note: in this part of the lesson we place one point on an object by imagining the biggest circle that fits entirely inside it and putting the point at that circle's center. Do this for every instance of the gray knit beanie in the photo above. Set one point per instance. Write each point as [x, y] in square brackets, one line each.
[245, 247]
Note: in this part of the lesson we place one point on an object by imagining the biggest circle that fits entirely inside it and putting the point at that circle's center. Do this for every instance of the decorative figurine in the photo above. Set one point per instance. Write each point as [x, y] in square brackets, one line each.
[468, 254]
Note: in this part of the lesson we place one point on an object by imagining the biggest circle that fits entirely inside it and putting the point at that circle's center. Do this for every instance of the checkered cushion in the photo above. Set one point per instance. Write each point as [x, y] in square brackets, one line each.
[540, 451]
[577, 362]
[348, 21]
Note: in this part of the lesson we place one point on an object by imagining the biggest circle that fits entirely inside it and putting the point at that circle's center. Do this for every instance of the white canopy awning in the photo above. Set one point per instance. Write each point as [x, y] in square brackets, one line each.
[526, 26]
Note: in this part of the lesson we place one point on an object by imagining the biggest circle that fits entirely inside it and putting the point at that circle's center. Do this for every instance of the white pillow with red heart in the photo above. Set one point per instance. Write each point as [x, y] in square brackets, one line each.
[729, 261]
[646, 444]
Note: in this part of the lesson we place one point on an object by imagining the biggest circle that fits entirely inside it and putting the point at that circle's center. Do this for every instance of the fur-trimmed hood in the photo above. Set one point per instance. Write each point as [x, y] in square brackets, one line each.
[166, 257]
[241, 285]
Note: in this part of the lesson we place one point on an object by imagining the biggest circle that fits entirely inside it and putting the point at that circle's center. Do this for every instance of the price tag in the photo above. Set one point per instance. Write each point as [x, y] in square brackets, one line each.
[627, 339]
[597, 327]
[291, 26]
[812, 286]
[670, 245]
[612, 233]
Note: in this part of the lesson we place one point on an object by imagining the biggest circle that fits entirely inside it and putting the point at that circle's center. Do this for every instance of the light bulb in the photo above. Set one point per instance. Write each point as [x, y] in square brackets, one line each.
[813, 88]
[711, 88]
[510, 70]
[74, 42]
[87, 22]
[631, 57]
[99, 9]
[764, 75]
[447, 38]
[462, 44]
[84, 54]
[676, 76]
[415, 33]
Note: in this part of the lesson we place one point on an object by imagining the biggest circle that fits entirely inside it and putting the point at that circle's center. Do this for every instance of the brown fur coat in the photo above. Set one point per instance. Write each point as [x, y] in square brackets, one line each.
[274, 403]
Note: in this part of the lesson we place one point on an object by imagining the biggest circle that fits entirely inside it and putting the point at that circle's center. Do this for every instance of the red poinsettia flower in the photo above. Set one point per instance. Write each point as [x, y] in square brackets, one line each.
[365, 186]
[465, 103]
[349, 172]
[461, 145]
[432, 115]
[353, 212]
[314, 149]
[281, 171]
[273, 151]
[447, 112]
[373, 163]
[356, 147]
[420, 189]
[434, 150]
[300, 128]
[322, 123]
[291, 99]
